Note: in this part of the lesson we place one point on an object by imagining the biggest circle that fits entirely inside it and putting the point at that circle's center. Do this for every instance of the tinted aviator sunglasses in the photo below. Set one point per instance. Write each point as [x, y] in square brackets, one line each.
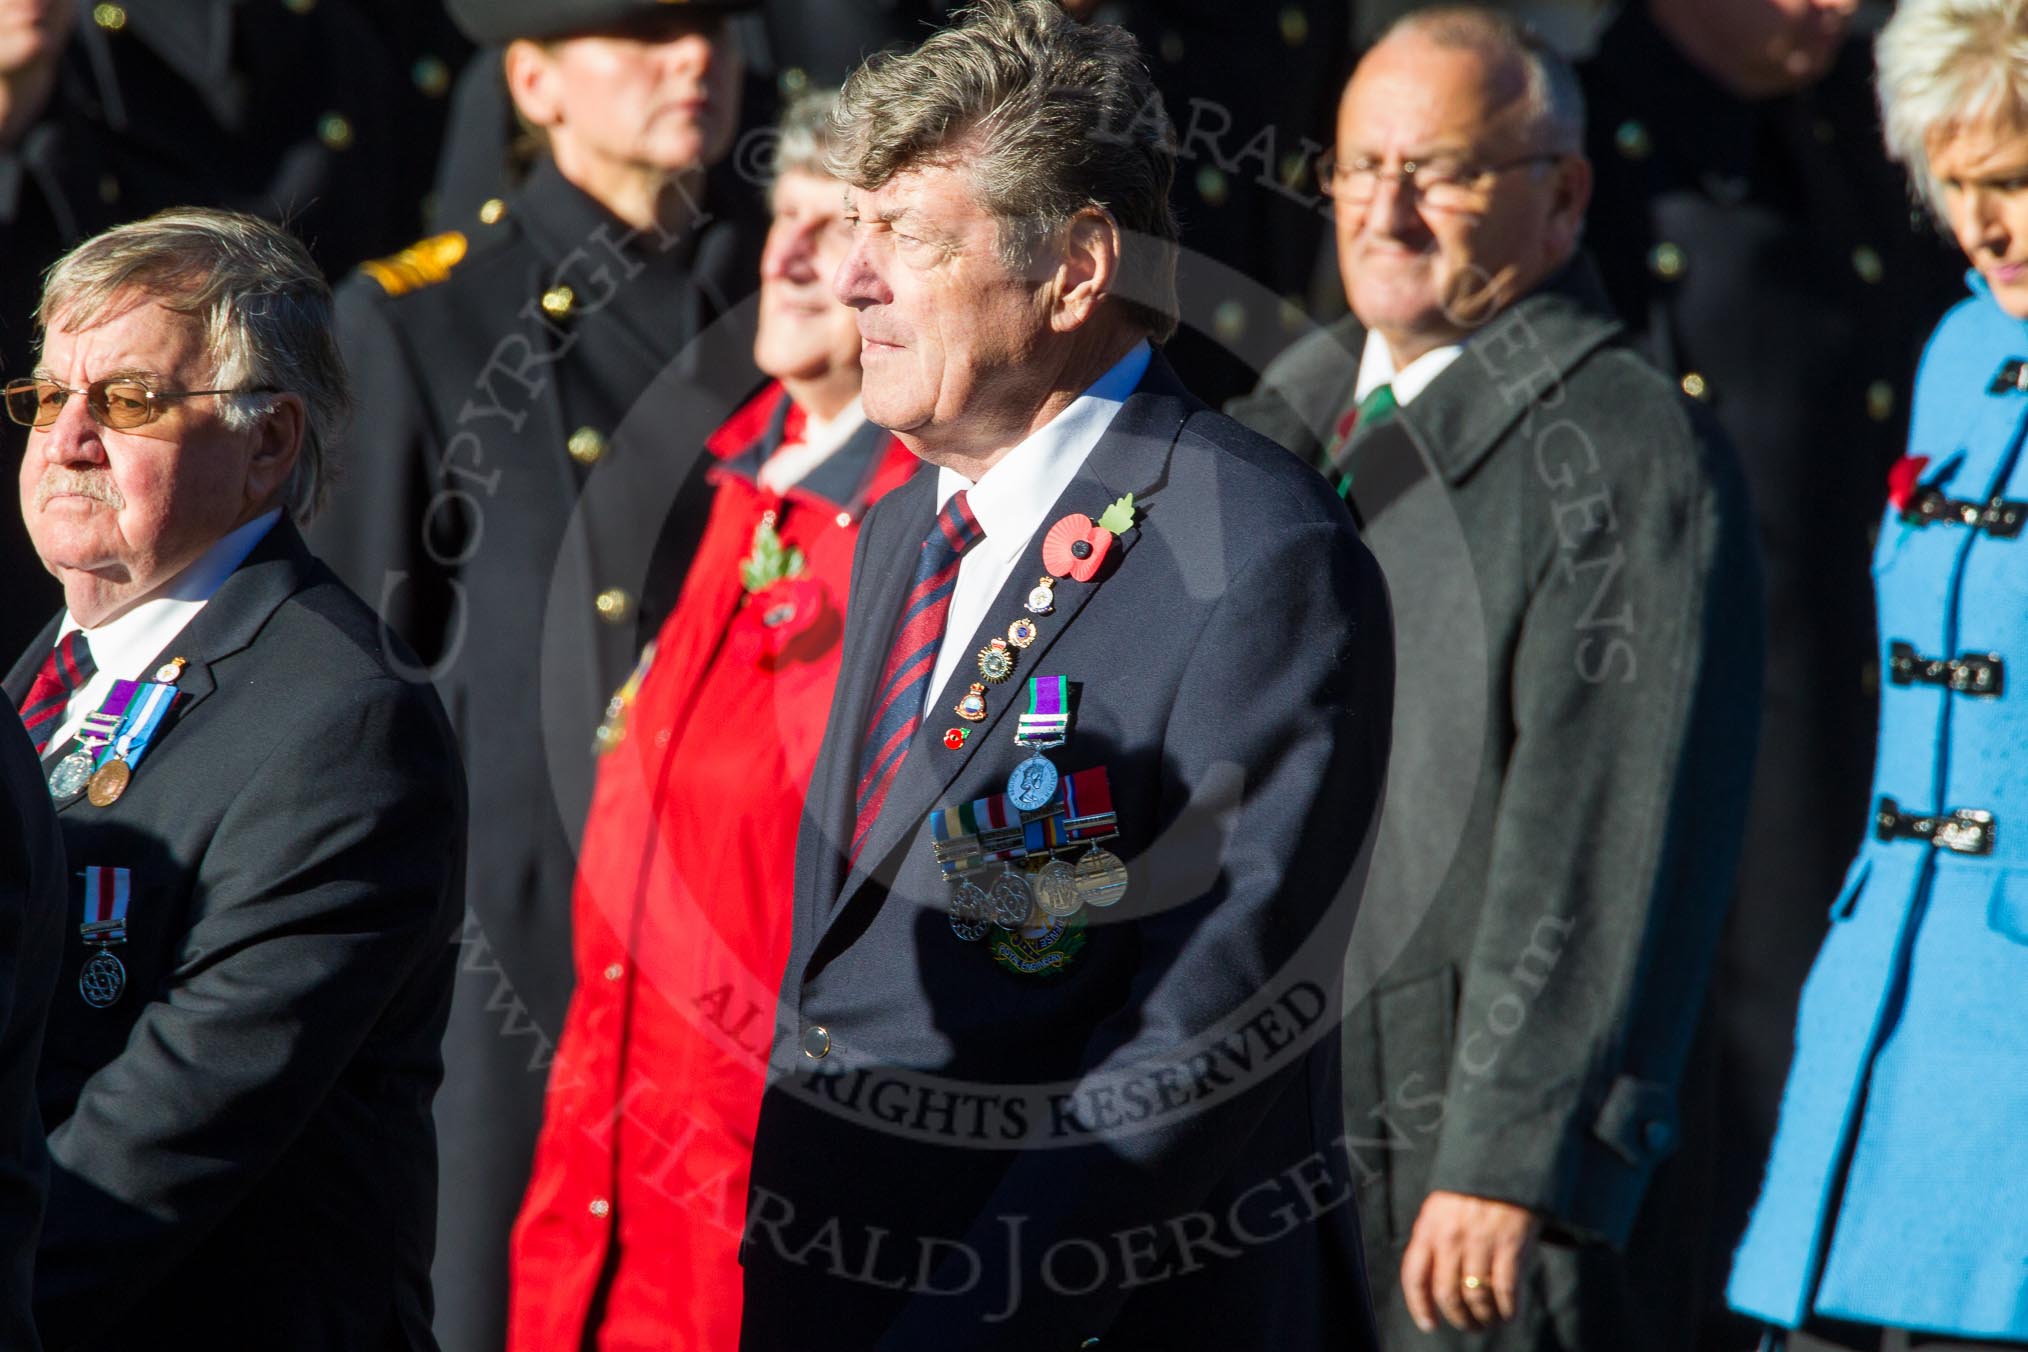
[118, 402]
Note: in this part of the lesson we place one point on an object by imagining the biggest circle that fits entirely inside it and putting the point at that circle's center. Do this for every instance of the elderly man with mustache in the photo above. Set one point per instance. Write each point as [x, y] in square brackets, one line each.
[264, 822]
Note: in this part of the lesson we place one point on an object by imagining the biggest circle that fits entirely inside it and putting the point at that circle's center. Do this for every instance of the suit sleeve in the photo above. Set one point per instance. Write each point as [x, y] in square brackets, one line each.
[329, 886]
[1275, 754]
[396, 520]
[1613, 842]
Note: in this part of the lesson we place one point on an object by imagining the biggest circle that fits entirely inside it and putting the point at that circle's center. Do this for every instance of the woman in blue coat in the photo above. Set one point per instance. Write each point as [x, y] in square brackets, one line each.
[1895, 1208]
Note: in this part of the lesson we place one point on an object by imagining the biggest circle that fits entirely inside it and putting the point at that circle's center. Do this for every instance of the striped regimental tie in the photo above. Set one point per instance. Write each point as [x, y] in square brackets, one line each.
[905, 680]
[68, 666]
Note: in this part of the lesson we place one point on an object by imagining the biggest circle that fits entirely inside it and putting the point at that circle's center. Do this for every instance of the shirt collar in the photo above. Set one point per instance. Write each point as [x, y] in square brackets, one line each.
[1376, 368]
[124, 645]
[1009, 499]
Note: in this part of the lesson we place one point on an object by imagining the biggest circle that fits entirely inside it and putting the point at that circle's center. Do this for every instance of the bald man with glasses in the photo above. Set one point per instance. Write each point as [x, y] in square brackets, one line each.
[1566, 547]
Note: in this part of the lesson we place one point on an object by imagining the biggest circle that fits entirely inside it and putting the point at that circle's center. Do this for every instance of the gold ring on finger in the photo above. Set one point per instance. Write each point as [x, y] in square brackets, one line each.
[1473, 1283]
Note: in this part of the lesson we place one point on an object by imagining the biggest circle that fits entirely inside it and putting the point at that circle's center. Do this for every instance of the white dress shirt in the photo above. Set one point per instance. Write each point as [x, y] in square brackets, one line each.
[1011, 499]
[124, 647]
[822, 437]
[1376, 368]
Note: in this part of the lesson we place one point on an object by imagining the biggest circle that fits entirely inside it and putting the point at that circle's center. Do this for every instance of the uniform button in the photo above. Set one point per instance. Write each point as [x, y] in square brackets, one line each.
[614, 971]
[1880, 401]
[1696, 386]
[299, 6]
[109, 189]
[491, 212]
[794, 81]
[816, 1042]
[558, 302]
[1228, 321]
[1867, 263]
[1211, 185]
[1633, 140]
[1295, 26]
[1824, 130]
[1295, 171]
[109, 17]
[334, 131]
[431, 76]
[843, 519]
[600, 1207]
[1668, 261]
[614, 605]
[1171, 47]
[1659, 1135]
[587, 445]
[1869, 678]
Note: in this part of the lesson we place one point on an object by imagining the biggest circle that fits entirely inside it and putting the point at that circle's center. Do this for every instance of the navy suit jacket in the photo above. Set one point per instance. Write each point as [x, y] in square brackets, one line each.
[1139, 1149]
[241, 1143]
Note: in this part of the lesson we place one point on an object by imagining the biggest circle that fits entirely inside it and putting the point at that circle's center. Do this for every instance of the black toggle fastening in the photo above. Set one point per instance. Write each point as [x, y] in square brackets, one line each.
[1963, 831]
[1972, 674]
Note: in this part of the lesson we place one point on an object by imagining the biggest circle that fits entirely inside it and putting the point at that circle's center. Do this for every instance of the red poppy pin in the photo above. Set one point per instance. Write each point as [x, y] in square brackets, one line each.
[1902, 479]
[1076, 546]
[781, 619]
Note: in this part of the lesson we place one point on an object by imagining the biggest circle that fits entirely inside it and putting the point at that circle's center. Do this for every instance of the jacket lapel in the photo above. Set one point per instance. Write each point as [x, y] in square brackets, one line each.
[1128, 458]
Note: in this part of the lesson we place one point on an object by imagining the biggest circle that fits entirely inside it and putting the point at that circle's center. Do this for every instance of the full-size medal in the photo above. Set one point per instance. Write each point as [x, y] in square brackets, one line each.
[109, 783]
[1101, 878]
[71, 774]
[1055, 887]
[972, 708]
[1012, 902]
[1032, 784]
[1046, 725]
[969, 910]
[103, 979]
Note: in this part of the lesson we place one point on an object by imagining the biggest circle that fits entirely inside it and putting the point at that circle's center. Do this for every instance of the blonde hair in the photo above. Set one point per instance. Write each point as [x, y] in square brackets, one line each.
[1942, 64]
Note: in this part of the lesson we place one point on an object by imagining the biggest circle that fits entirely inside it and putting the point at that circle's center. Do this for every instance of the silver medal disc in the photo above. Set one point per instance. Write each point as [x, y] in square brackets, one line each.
[1056, 890]
[1012, 901]
[71, 774]
[969, 909]
[1032, 784]
[102, 980]
[1101, 878]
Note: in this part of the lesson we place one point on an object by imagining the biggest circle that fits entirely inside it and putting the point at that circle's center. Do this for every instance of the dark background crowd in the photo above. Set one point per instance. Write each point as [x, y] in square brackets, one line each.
[1749, 228]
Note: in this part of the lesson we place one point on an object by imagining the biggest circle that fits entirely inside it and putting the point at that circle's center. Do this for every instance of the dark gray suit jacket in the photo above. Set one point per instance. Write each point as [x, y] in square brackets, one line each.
[1578, 624]
[242, 1143]
[32, 899]
[1232, 672]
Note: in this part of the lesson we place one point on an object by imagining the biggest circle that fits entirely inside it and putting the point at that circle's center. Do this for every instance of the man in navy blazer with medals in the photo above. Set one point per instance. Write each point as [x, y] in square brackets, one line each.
[1053, 1063]
[264, 822]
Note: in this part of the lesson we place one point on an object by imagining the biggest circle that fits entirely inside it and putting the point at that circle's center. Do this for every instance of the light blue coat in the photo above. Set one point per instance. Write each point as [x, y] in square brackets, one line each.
[1912, 1038]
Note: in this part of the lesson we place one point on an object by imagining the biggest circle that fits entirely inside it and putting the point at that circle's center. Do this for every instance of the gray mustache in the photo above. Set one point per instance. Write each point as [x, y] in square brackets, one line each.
[94, 484]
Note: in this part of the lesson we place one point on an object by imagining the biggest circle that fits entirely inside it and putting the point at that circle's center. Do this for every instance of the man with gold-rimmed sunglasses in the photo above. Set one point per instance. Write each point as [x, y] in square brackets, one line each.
[1573, 579]
[119, 402]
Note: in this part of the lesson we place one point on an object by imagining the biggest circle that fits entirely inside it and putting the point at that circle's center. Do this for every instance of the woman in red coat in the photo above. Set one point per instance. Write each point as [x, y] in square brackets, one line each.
[628, 1237]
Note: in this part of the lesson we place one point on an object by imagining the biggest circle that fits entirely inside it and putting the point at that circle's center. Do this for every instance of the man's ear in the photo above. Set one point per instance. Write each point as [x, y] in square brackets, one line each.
[1087, 268]
[531, 82]
[280, 442]
[1572, 199]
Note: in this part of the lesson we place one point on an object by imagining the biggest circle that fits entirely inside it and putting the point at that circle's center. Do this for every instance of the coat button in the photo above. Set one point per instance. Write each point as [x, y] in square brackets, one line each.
[1212, 185]
[1633, 140]
[1880, 401]
[1668, 261]
[1867, 263]
[299, 6]
[614, 971]
[1696, 386]
[816, 1042]
[614, 605]
[1170, 45]
[431, 76]
[1659, 1135]
[1295, 26]
[335, 131]
[600, 1207]
[587, 445]
[492, 210]
[109, 17]
[842, 520]
[558, 302]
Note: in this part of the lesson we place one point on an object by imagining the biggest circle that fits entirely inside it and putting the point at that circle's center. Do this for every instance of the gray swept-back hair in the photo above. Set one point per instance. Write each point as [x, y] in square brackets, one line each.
[265, 308]
[1047, 117]
[803, 135]
[1943, 63]
[1554, 98]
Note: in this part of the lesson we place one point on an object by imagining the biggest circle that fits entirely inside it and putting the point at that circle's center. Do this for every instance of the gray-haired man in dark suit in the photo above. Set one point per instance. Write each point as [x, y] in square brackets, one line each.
[1576, 595]
[264, 822]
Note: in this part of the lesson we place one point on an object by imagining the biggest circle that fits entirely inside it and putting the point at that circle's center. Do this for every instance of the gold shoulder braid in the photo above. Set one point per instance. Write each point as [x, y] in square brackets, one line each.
[421, 264]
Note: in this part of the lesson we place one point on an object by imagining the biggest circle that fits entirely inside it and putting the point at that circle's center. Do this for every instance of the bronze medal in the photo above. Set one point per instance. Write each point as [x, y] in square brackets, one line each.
[109, 783]
[1101, 878]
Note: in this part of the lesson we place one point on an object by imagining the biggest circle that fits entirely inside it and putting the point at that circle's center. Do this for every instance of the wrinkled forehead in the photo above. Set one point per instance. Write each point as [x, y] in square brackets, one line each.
[130, 332]
[1412, 95]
